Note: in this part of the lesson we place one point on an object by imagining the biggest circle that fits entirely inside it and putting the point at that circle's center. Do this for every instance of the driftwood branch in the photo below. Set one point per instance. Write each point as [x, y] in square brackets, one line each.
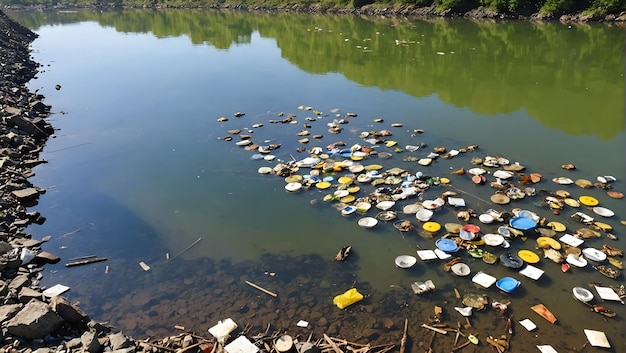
[403, 340]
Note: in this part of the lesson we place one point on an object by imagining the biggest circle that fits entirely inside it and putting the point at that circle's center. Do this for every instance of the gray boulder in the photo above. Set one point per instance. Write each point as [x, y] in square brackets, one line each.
[35, 320]
[68, 311]
[27, 294]
[90, 342]
[119, 341]
[8, 311]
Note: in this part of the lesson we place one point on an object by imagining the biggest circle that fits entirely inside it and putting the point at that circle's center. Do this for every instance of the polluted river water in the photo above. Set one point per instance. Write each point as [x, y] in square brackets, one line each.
[144, 167]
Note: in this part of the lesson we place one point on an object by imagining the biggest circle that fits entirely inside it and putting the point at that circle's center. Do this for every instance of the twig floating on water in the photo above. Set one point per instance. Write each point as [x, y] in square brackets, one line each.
[81, 257]
[187, 248]
[261, 289]
[85, 262]
[71, 233]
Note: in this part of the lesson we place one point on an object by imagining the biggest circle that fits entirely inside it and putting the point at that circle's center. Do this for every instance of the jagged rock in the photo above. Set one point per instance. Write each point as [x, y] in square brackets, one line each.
[46, 257]
[25, 194]
[4, 288]
[98, 327]
[8, 311]
[119, 341]
[26, 125]
[89, 341]
[27, 294]
[68, 311]
[8, 111]
[18, 283]
[39, 106]
[5, 247]
[35, 320]
[73, 344]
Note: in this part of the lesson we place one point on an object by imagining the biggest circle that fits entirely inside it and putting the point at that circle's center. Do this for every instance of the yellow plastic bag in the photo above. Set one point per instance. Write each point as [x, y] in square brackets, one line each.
[350, 297]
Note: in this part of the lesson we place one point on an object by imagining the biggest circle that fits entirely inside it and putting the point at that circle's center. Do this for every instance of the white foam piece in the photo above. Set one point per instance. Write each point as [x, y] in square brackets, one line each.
[241, 345]
[55, 290]
[528, 324]
[546, 348]
[426, 255]
[484, 280]
[571, 240]
[597, 338]
[442, 255]
[607, 293]
[531, 272]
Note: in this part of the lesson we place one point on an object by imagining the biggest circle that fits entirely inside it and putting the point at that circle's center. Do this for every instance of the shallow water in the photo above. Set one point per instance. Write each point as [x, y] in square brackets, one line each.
[138, 168]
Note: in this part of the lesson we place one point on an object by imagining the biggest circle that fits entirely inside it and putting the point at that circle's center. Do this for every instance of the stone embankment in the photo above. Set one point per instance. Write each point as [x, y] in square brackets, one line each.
[31, 318]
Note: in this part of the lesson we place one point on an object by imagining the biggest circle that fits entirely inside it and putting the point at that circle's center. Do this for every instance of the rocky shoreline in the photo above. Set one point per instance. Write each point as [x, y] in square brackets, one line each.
[32, 318]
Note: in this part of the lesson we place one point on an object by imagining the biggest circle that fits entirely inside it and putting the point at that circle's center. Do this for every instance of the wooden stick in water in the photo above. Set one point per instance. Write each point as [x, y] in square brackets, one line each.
[403, 340]
[81, 257]
[261, 289]
[85, 262]
[443, 332]
[187, 248]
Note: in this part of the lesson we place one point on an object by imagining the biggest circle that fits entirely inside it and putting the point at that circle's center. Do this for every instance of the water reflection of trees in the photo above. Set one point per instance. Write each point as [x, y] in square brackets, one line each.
[569, 79]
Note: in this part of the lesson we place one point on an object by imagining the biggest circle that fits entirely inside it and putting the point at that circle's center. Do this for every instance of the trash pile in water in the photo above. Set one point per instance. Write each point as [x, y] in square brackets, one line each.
[379, 192]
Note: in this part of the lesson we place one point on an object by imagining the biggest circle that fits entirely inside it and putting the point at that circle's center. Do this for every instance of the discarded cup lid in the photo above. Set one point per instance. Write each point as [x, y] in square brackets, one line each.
[341, 193]
[293, 187]
[322, 185]
[500, 199]
[447, 245]
[493, 239]
[431, 227]
[588, 200]
[542, 242]
[472, 228]
[582, 294]
[345, 180]
[563, 180]
[577, 261]
[367, 222]
[507, 284]
[424, 215]
[571, 202]
[412, 208]
[363, 206]
[385, 205]
[348, 199]
[405, 261]
[528, 256]
[556, 226]
[460, 269]
[485, 218]
[594, 254]
[503, 174]
[604, 212]
[265, 170]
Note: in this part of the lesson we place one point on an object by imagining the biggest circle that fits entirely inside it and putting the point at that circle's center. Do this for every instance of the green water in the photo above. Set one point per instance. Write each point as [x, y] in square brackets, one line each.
[138, 167]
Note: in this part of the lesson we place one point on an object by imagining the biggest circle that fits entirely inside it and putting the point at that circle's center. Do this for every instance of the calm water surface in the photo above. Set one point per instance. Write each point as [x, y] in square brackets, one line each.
[139, 170]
